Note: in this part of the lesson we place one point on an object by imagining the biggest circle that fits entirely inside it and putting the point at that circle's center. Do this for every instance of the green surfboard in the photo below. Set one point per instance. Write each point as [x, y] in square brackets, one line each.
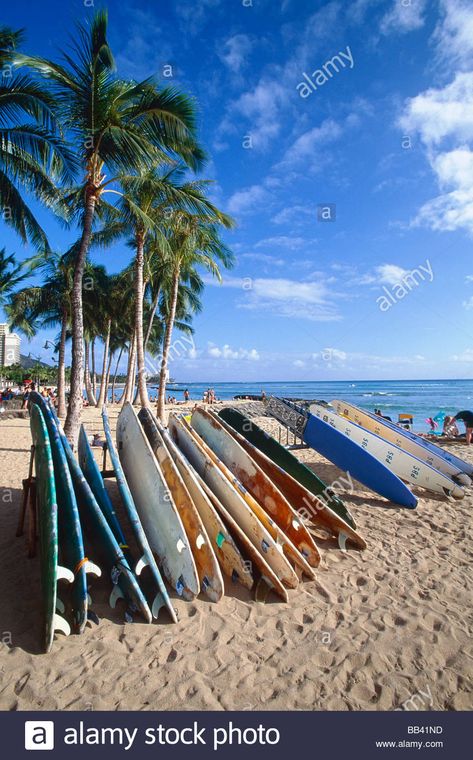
[47, 529]
[284, 459]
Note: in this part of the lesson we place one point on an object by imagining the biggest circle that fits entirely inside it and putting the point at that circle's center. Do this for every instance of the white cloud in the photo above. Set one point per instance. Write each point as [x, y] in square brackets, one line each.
[440, 113]
[443, 117]
[299, 363]
[466, 356]
[403, 17]
[283, 241]
[295, 213]
[226, 352]
[261, 108]
[391, 274]
[468, 304]
[284, 297]
[307, 149]
[263, 258]
[469, 278]
[247, 199]
[454, 34]
[235, 51]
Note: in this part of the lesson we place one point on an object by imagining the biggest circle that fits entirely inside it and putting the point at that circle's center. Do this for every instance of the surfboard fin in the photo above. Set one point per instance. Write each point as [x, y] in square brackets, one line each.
[116, 594]
[158, 604]
[61, 624]
[64, 574]
[262, 590]
[141, 564]
[60, 606]
[92, 569]
[342, 541]
[92, 617]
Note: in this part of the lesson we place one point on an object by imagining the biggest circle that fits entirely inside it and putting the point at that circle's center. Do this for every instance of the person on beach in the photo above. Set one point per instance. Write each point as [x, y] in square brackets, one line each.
[186, 395]
[450, 428]
[467, 418]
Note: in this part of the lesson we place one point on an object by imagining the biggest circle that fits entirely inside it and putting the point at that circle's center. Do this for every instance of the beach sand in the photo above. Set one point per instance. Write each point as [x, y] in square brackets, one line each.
[387, 628]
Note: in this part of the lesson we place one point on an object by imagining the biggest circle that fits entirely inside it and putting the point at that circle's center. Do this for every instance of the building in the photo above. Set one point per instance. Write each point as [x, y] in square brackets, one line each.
[9, 347]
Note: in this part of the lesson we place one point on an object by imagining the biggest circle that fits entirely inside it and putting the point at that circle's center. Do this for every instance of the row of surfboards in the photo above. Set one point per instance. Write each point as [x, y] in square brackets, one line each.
[209, 496]
[383, 456]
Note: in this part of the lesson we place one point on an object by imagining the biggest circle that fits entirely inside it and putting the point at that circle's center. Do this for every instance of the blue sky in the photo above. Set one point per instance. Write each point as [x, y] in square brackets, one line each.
[379, 138]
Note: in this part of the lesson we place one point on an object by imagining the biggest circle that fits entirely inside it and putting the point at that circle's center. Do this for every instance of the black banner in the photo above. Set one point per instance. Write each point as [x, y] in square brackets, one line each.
[233, 735]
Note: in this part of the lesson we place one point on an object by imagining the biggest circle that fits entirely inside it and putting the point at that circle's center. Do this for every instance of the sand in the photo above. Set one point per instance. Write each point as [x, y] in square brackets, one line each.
[388, 628]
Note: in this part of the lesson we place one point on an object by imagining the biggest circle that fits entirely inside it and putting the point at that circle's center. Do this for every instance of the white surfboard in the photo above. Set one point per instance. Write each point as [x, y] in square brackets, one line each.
[227, 552]
[397, 435]
[406, 466]
[233, 502]
[296, 540]
[154, 503]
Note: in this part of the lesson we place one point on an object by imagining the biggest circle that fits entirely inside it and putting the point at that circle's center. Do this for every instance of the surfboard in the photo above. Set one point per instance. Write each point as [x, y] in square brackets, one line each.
[51, 572]
[409, 468]
[295, 539]
[124, 583]
[343, 452]
[285, 459]
[210, 577]
[94, 478]
[226, 551]
[161, 600]
[155, 505]
[303, 502]
[71, 544]
[232, 500]
[429, 452]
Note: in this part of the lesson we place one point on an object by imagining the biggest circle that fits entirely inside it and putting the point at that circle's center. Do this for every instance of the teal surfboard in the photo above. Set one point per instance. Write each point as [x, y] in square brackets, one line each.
[51, 572]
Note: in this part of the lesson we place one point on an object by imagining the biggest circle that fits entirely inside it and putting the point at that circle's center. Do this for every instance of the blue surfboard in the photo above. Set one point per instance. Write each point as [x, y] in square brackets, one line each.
[147, 560]
[344, 453]
[123, 579]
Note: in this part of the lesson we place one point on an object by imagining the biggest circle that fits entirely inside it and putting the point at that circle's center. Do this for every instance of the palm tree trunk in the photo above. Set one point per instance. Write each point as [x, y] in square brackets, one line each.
[140, 351]
[61, 368]
[115, 374]
[71, 426]
[107, 379]
[88, 384]
[130, 377]
[167, 344]
[151, 317]
[103, 383]
[94, 374]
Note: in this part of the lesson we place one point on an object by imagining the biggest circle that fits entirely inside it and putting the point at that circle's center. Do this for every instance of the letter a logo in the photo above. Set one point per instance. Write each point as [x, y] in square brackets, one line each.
[39, 734]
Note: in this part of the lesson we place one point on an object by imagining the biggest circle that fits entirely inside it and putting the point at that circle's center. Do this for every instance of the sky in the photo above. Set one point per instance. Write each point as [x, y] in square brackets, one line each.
[340, 138]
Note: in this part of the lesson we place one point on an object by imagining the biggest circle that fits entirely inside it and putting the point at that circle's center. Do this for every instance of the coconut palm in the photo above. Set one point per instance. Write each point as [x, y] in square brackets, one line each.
[48, 305]
[33, 157]
[195, 241]
[11, 274]
[145, 202]
[116, 127]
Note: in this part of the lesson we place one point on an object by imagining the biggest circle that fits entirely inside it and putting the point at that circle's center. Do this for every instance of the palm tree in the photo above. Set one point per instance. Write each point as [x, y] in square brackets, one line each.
[194, 241]
[146, 200]
[11, 274]
[48, 305]
[32, 154]
[117, 127]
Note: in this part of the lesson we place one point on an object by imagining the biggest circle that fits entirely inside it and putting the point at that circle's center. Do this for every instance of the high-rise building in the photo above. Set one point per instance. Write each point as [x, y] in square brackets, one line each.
[9, 347]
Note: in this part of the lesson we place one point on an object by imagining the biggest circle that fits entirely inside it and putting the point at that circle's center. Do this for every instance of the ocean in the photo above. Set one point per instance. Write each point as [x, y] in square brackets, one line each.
[421, 398]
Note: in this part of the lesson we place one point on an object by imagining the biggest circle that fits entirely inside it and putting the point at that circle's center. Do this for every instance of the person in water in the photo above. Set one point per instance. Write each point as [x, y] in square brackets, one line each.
[466, 417]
